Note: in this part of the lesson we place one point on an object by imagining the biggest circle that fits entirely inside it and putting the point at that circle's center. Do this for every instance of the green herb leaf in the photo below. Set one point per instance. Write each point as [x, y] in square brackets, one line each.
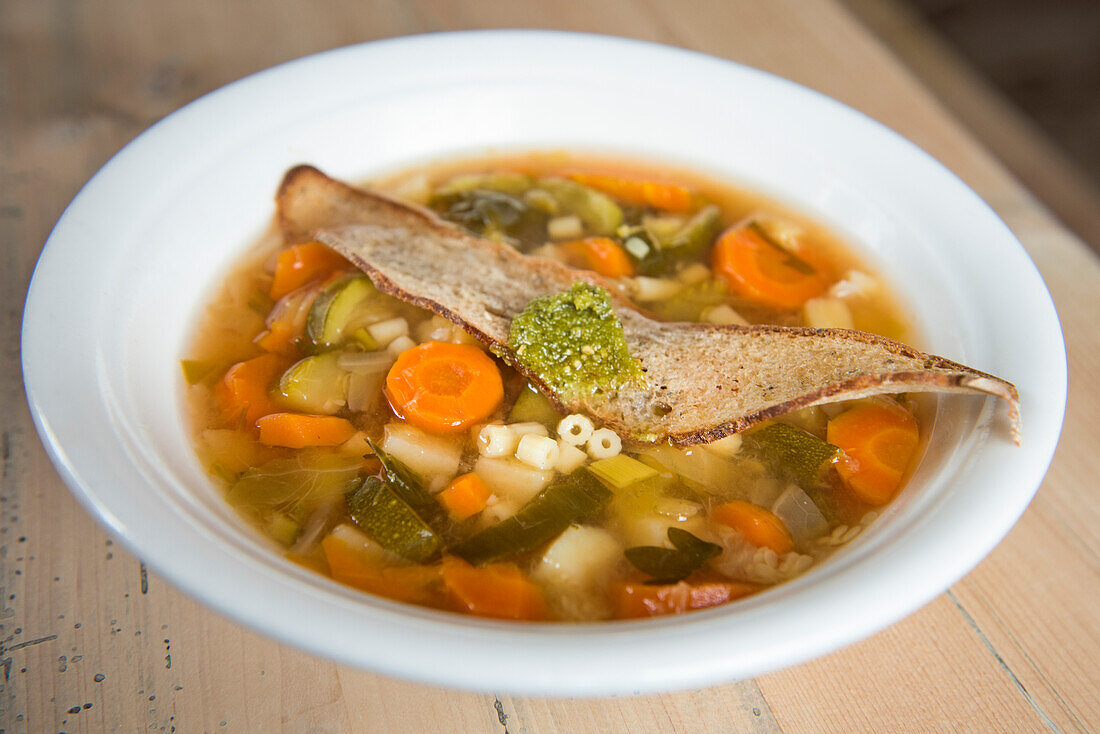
[669, 565]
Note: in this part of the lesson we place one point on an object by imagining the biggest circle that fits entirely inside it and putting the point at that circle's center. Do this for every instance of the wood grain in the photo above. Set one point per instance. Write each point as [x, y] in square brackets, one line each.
[89, 642]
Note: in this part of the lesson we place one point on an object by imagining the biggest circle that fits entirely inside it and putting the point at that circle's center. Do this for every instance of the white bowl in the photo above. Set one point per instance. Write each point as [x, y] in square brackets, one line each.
[122, 276]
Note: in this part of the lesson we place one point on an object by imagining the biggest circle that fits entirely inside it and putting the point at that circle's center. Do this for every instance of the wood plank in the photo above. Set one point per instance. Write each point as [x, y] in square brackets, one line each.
[1013, 646]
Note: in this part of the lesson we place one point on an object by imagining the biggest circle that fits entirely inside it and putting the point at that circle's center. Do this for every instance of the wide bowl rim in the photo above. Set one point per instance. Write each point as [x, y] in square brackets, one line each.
[238, 584]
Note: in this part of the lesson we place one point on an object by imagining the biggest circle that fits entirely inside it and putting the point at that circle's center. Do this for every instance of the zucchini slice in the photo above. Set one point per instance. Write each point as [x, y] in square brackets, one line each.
[333, 310]
[377, 510]
[315, 384]
[543, 518]
[791, 452]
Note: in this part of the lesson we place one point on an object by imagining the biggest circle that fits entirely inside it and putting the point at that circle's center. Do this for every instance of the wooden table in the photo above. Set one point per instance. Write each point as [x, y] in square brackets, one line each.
[90, 642]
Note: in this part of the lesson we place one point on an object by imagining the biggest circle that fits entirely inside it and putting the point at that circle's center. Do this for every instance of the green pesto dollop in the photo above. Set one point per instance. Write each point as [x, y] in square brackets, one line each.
[574, 343]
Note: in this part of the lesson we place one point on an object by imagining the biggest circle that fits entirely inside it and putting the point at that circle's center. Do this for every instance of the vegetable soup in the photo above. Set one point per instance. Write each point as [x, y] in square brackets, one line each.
[384, 446]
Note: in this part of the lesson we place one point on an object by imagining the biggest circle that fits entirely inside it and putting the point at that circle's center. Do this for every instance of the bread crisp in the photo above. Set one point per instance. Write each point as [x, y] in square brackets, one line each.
[703, 381]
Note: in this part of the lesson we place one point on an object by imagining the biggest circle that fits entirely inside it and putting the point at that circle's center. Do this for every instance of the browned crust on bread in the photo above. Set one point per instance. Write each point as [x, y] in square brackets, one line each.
[400, 247]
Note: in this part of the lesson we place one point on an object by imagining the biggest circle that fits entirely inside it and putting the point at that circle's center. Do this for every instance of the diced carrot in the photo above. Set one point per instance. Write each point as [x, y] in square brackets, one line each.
[600, 254]
[279, 338]
[465, 496]
[760, 270]
[637, 599]
[245, 389]
[297, 430]
[760, 527]
[498, 590]
[879, 440]
[669, 197]
[303, 263]
[443, 387]
[349, 566]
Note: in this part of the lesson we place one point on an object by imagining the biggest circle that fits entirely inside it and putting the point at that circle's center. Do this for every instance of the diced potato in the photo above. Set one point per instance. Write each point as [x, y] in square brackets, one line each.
[512, 480]
[694, 273]
[357, 445]
[430, 457]
[581, 556]
[647, 289]
[496, 510]
[727, 447]
[652, 529]
[565, 228]
[827, 313]
[854, 283]
[723, 314]
[400, 344]
[570, 458]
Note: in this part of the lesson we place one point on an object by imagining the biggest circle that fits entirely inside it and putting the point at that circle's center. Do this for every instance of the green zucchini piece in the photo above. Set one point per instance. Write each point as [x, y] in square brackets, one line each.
[533, 407]
[597, 210]
[409, 490]
[791, 452]
[543, 518]
[334, 308]
[669, 565]
[308, 479]
[315, 384]
[379, 512]
[197, 370]
[696, 237]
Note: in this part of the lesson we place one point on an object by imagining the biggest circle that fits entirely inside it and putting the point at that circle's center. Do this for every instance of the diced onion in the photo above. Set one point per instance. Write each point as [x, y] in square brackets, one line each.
[386, 331]
[801, 516]
[365, 363]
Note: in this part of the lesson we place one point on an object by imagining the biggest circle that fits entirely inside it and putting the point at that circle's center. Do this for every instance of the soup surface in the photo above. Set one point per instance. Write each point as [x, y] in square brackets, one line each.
[381, 445]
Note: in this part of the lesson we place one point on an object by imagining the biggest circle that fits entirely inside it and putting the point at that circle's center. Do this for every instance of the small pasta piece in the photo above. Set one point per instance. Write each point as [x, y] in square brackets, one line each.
[654, 289]
[604, 443]
[400, 344]
[386, 331]
[540, 452]
[495, 440]
[827, 313]
[565, 228]
[575, 429]
[528, 428]
[570, 458]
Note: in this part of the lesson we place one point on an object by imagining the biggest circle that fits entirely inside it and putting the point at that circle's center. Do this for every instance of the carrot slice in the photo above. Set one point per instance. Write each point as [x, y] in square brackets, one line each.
[296, 430]
[600, 254]
[760, 527]
[669, 197]
[498, 590]
[879, 440]
[760, 270]
[244, 390]
[279, 338]
[303, 263]
[444, 388]
[632, 600]
[465, 496]
[404, 583]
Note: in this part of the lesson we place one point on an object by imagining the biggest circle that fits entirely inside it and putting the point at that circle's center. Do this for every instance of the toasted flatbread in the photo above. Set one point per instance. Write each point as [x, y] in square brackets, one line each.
[703, 382]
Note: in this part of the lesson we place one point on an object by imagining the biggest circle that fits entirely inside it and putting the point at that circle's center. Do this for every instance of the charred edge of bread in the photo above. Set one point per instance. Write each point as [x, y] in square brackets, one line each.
[950, 376]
